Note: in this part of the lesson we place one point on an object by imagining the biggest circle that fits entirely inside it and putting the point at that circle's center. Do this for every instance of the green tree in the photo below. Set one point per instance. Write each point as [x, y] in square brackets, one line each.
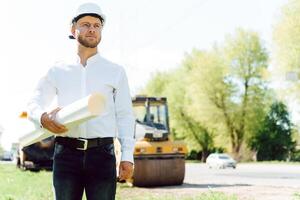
[286, 48]
[206, 89]
[273, 141]
[248, 59]
[226, 87]
[157, 84]
[217, 93]
[287, 37]
[183, 126]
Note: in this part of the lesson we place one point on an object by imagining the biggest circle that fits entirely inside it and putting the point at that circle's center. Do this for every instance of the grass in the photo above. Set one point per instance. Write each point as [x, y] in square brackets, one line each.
[23, 185]
[193, 161]
[296, 196]
[18, 185]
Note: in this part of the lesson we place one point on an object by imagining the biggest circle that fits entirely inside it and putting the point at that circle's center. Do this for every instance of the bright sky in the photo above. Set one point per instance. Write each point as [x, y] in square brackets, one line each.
[142, 35]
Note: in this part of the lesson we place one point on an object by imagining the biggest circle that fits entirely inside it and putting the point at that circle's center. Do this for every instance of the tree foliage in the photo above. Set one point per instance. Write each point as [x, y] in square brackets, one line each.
[247, 60]
[286, 49]
[287, 37]
[273, 141]
[217, 95]
[226, 86]
[173, 86]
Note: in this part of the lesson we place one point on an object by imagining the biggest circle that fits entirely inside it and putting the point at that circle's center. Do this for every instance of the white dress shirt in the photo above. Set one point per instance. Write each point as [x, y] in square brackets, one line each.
[70, 81]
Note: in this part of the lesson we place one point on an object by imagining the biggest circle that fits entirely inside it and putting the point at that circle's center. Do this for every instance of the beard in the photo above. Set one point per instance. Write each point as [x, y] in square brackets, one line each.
[87, 43]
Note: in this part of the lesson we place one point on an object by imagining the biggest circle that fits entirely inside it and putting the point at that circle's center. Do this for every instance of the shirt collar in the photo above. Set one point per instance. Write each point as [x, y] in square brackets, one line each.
[90, 60]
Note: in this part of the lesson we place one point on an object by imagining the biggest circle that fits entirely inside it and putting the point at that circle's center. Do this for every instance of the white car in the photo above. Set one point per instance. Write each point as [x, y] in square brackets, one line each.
[220, 160]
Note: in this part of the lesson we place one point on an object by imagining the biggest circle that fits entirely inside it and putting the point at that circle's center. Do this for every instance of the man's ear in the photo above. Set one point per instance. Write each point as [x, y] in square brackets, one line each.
[73, 30]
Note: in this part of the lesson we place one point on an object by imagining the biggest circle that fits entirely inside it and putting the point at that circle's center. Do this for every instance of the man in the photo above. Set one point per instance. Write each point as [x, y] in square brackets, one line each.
[75, 168]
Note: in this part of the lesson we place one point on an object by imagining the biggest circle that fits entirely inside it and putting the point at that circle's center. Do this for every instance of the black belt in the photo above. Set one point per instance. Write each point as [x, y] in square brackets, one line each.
[82, 143]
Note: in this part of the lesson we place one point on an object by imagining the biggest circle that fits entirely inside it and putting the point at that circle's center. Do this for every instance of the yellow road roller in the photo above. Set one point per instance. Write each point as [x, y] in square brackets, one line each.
[159, 161]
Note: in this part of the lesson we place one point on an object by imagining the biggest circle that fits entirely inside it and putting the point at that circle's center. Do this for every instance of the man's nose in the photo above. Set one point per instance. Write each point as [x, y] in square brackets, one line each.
[92, 29]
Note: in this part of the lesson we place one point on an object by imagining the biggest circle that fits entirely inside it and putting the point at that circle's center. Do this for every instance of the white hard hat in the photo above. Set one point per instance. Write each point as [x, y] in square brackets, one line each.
[86, 9]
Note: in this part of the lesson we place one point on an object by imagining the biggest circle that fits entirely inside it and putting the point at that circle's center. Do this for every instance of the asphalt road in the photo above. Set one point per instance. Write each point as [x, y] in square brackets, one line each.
[248, 181]
[284, 175]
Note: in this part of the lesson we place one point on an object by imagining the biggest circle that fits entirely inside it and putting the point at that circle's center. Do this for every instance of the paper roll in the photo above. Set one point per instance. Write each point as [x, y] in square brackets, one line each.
[70, 116]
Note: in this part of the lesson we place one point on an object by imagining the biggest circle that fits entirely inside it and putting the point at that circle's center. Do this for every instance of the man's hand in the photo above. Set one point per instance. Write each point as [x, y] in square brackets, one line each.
[125, 171]
[48, 121]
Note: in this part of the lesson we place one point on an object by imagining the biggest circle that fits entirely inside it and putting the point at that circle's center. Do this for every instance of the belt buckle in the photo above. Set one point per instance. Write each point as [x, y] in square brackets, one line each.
[85, 144]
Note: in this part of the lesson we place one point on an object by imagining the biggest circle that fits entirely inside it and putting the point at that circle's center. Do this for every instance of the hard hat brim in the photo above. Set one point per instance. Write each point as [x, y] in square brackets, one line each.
[101, 17]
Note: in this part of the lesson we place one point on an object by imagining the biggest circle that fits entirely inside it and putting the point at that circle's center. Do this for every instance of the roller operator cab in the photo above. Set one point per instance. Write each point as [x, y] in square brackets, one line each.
[158, 160]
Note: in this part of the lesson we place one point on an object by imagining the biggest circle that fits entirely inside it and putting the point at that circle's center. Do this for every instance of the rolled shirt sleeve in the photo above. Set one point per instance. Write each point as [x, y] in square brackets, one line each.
[125, 118]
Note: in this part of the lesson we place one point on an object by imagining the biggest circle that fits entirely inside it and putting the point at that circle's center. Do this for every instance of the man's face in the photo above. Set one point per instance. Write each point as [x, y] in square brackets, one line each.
[87, 31]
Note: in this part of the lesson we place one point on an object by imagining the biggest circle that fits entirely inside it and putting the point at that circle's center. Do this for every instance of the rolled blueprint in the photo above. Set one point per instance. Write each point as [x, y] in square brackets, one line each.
[72, 115]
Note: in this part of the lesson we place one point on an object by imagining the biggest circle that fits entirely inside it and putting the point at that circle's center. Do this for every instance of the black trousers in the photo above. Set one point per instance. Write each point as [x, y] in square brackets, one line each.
[92, 170]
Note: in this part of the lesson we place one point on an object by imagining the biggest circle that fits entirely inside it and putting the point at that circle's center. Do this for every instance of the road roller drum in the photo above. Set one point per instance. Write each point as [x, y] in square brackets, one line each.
[153, 170]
